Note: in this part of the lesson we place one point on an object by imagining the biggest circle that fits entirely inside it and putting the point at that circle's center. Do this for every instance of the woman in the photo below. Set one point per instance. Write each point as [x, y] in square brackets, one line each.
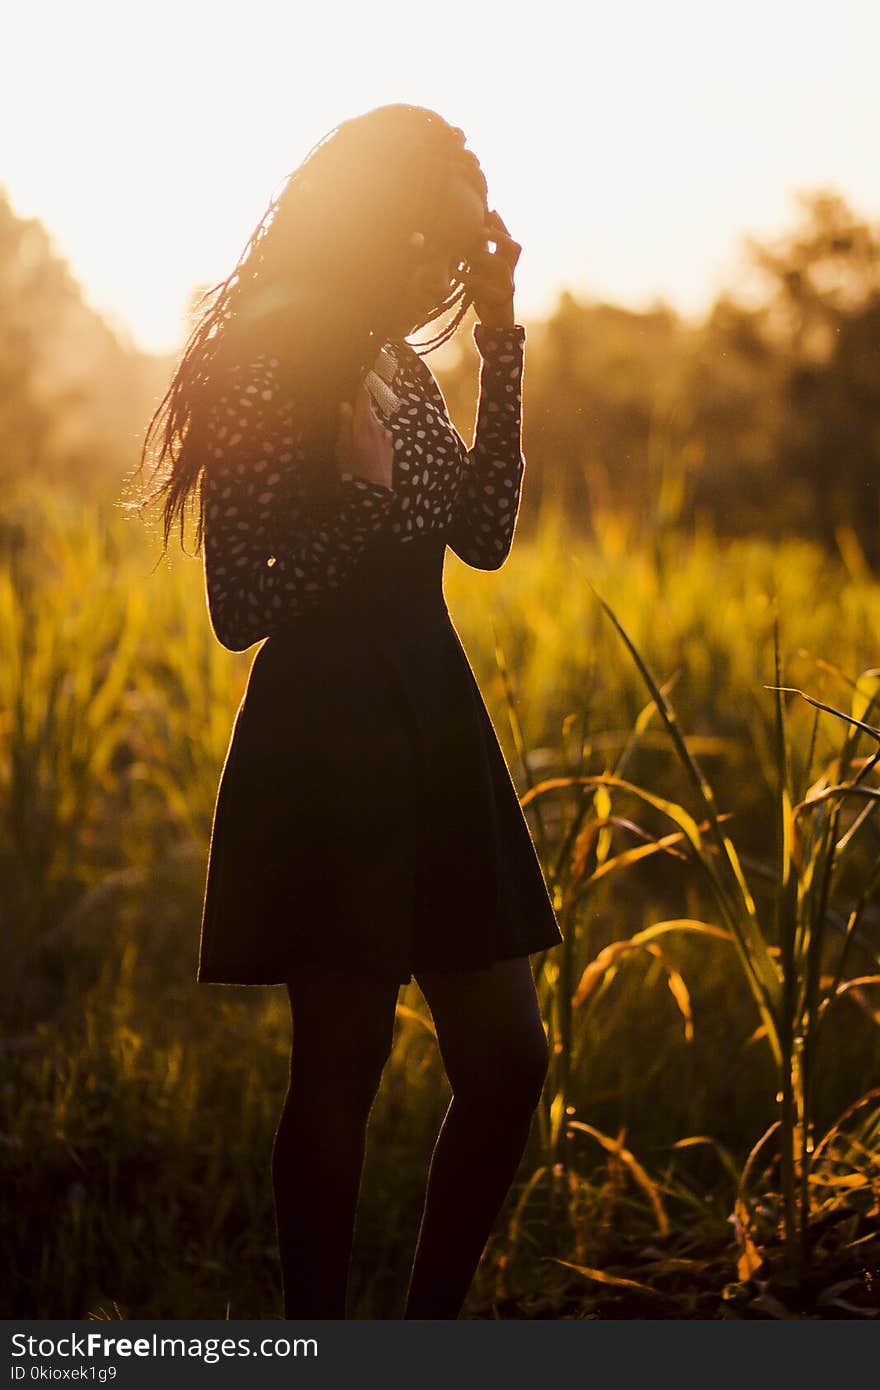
[366, 827]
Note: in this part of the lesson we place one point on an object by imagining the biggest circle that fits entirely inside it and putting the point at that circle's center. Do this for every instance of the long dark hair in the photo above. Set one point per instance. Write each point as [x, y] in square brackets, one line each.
[316, 288]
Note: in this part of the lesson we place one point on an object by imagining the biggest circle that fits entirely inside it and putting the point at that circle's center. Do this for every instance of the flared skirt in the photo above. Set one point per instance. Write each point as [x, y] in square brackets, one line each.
[366, 818]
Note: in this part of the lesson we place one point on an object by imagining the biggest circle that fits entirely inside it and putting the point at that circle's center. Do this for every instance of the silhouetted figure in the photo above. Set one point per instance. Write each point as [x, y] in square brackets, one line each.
[366, 827]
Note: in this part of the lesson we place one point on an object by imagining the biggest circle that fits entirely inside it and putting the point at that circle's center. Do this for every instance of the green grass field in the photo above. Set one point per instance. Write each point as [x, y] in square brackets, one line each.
[687, 1159]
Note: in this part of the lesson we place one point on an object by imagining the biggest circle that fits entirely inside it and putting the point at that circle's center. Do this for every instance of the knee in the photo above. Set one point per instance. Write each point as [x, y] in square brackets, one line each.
[509, 1081]
[528, 1072]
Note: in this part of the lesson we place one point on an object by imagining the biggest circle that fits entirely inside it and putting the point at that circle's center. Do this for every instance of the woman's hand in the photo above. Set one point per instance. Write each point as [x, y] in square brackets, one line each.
[489, 280]
[364, 445]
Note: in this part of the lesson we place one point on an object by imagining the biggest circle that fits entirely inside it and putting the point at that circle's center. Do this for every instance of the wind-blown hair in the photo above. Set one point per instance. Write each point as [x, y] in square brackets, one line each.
[316, 288]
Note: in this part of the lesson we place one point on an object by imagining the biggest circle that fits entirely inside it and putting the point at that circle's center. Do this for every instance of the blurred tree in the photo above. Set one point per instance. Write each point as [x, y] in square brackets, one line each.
[824, 310]
[74, 400]
[597, 379]
[785, 394]
[603, 379]
[764, 417]
[732, 379]
[29, 284]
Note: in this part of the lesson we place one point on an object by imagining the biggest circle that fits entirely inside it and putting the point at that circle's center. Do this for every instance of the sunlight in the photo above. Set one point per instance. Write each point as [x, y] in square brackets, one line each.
[534, 713]
[627, 149]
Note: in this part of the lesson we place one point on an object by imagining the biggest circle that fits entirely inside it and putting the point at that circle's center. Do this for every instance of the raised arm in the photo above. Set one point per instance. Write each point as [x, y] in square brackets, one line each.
[266, 559]
[488, 500]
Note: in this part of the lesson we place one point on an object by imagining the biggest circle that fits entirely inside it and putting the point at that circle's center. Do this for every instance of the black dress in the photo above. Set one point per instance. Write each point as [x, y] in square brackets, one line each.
[366, 818]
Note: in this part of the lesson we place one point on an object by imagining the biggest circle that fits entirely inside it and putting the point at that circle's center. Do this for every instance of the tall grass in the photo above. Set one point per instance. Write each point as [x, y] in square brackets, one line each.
[782, 954]
[712, 918]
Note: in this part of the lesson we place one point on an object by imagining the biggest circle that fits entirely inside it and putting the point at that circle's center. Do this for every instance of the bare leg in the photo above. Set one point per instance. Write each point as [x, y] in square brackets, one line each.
[494, 1048]
[342, 1031]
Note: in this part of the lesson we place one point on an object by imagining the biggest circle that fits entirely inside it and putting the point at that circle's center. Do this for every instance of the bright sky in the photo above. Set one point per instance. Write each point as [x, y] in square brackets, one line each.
[628, 146]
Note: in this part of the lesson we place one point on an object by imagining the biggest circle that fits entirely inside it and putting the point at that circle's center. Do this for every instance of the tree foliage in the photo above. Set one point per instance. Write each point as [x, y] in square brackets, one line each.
[762, 417]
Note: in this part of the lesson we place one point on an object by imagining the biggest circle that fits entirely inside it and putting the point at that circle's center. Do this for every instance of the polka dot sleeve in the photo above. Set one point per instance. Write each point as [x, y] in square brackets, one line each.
[488, 498]
[266, 558]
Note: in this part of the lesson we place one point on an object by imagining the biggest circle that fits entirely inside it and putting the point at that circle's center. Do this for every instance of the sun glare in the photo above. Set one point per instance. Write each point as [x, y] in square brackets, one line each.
[628, 149]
